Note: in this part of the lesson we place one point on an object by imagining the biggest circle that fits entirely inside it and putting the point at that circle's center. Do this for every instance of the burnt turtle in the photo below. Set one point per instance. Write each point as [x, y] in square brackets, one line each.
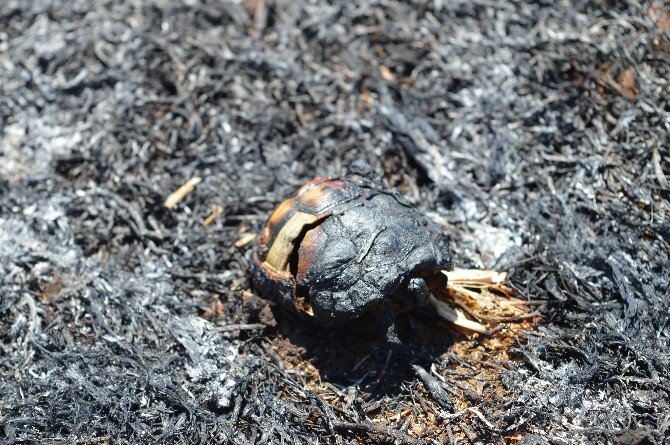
[341, 248]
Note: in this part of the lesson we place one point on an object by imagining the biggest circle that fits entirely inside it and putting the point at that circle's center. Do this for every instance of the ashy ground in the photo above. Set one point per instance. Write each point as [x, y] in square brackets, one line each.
[535, 134]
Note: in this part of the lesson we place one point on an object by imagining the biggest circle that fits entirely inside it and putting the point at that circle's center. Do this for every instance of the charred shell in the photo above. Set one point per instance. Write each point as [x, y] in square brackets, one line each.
[341, 247]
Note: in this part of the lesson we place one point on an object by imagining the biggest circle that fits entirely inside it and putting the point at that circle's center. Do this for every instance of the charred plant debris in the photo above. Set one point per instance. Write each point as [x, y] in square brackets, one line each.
[534, 134]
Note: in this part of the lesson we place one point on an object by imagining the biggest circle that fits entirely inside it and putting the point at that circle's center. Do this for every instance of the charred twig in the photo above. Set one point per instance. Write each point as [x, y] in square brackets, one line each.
[434, 388]
[376, 430]
[242, 327]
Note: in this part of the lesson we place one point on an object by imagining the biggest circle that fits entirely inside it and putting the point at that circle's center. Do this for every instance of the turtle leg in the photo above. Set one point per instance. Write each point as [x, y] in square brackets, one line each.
[416, 288]
[411, 294]
[385, 319]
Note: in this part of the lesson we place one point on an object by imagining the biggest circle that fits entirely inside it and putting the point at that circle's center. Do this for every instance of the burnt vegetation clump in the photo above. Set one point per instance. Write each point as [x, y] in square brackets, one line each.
[535, 135]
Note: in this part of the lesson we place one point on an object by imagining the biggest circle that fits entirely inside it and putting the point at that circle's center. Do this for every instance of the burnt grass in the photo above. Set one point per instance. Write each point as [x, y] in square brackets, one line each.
[535, 134]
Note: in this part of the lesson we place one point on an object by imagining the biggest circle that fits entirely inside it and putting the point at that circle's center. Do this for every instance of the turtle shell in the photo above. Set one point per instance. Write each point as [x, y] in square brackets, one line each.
[340, 246]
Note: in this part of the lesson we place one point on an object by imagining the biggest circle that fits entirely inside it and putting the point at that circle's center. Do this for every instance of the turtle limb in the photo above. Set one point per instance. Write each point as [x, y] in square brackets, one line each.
[385, 319]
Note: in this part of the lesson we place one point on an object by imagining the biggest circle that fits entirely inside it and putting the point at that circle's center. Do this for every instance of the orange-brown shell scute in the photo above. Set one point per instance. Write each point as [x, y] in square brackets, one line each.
[309, 185]
[313, 242]
[278, 218]
[323, 196]
[317, 197]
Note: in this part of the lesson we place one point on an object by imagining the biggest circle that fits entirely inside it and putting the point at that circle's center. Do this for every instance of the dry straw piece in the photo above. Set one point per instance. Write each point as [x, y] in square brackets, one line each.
[181, 192]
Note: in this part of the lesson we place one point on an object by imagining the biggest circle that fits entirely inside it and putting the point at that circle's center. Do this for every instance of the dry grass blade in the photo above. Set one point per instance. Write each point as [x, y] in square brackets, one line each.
[181, 192]
[484, 295]
[475, 276]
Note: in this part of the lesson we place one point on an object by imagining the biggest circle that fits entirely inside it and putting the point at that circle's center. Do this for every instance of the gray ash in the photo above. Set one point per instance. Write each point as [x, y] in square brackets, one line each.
[535, 134]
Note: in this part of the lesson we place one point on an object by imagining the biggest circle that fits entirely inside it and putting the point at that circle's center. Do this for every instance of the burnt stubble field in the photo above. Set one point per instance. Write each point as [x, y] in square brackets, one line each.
[535, 134]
